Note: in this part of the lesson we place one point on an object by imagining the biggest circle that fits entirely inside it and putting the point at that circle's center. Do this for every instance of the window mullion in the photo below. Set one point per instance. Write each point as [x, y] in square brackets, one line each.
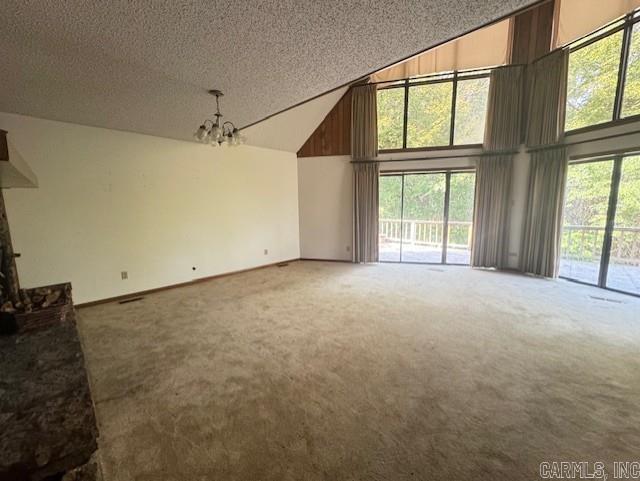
[406, 114]
[622, 69]
[453, 107]
[445, 220]
[401, 215]
[610, 223]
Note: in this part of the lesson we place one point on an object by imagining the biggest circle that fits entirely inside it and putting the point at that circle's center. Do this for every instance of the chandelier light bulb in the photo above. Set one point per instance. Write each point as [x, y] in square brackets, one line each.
[201, 134]
[214, 132]
[239, 138]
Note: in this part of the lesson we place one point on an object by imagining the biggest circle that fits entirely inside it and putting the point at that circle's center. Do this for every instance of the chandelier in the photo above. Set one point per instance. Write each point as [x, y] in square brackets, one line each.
[218, 132]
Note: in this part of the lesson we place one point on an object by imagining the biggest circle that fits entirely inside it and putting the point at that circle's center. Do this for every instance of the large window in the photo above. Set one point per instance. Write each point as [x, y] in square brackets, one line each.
[435, 111]
[601, 232]
[429, 114]
[603, 81]
[426, 216]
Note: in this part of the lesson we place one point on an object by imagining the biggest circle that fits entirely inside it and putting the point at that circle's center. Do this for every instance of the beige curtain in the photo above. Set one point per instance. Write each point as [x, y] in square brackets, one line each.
[502, 129]
[576, 18]
[486, 47]
[490, 240]
[547, 98]
[364, 123]
[365, 211]
[364, 146]
[543, 216]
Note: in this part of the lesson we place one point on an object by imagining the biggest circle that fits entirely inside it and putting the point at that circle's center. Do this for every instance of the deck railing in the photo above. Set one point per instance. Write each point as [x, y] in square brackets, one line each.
[581, 242]
[425, 232]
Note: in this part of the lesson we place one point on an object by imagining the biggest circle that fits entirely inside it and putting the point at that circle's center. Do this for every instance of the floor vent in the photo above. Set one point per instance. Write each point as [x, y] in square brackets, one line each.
[282, 264]
[435, 269]
[606, 299]
[132, 299]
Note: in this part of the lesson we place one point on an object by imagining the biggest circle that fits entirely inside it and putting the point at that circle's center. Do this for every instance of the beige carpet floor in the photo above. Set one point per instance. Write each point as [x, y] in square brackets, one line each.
[329, 371]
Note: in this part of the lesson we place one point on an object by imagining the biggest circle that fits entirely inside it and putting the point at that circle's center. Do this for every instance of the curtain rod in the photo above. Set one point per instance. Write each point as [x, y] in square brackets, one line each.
[578, 142]
[428, 169]
[607, 153]
[510, 152]
[439, 157]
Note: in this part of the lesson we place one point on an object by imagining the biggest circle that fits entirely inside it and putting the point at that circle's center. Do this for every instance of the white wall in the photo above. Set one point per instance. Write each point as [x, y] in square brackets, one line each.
[112, 201]
[325, 186]
[519, 186]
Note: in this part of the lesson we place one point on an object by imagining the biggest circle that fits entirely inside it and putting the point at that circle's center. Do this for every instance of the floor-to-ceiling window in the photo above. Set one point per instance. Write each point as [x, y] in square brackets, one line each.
[434, 111]
[601, 231]
[426, 216]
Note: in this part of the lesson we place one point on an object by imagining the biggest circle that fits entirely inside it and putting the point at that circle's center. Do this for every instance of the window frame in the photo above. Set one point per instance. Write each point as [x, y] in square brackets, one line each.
[610, 222]
[453, 77]
[448, 172]
[626, 27]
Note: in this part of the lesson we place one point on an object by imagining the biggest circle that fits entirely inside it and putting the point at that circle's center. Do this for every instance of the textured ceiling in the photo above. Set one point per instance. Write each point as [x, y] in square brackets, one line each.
[145, 66]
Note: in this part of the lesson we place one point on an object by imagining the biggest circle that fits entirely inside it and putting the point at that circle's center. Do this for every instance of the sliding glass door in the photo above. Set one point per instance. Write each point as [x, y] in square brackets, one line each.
[390, 209]
[423, 217]
[601, 231]
[585, 218]
[462, 188]
[426, 217]
[623, 273]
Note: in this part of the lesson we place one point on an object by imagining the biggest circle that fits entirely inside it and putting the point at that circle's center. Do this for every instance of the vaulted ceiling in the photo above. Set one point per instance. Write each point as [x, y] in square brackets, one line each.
[146, 66]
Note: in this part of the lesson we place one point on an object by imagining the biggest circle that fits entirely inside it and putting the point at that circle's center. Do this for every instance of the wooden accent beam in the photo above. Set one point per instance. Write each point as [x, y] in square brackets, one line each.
[532, 32]
[333, 135]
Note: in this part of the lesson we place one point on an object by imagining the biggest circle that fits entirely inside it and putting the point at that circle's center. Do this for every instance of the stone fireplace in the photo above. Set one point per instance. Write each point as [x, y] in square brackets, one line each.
[47, 415]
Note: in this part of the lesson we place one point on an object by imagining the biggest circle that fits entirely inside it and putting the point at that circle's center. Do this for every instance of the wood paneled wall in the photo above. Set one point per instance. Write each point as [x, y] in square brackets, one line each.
[333, 135]
[532, 32]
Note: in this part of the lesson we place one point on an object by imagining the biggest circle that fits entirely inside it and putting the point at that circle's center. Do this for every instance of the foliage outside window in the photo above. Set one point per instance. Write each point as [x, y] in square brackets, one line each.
[390, 118]
[429, 115]
[471, 110]
[431, 118]
[603, 79]
[631, 99]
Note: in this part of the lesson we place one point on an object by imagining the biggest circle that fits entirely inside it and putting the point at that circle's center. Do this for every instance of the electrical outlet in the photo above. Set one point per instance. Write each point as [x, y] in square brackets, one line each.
[266, 251]
[125, 275]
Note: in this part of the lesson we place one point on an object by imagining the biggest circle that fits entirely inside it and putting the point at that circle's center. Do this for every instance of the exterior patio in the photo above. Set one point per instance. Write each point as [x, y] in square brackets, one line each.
[580, 261]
